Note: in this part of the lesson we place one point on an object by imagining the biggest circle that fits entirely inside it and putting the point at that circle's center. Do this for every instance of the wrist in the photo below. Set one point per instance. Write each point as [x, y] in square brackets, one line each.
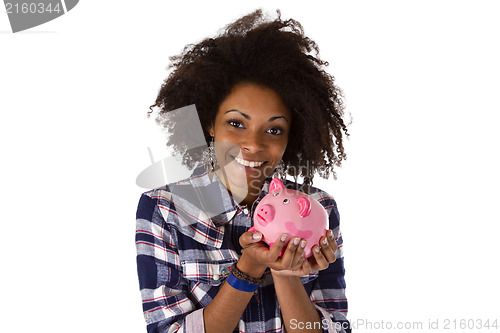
[282, 279]
[250, 268]
[241, 285]
[284, 275]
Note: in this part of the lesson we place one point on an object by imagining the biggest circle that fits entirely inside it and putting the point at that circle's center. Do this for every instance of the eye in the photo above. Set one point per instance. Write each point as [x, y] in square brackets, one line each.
[275, 131]
[235, 123]
[286, 201]
[275, 194]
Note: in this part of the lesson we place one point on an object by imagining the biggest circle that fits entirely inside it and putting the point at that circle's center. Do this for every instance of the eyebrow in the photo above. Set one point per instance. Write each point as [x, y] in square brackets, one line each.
[249, 118]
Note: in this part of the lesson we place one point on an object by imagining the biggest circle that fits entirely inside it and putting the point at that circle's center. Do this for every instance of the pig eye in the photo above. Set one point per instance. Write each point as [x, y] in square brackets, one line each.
[276, 194]
[286, 201]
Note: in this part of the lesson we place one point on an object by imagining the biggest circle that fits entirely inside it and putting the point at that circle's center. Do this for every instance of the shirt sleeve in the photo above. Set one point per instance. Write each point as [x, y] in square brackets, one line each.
[166, 306]
[328, 290]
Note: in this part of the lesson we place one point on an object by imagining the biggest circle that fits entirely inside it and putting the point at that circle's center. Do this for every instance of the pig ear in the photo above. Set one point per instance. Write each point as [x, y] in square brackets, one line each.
[305, 206]
[276, 185]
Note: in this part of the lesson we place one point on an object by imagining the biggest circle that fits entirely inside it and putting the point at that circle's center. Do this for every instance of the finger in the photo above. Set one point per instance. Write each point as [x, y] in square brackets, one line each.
[287, 260]
[298, 264]
[275, 250]
[248, 238]
[295, 251]
[305, 267]
[327, 251]
[321, 262]
[299, 253]
[332, 241]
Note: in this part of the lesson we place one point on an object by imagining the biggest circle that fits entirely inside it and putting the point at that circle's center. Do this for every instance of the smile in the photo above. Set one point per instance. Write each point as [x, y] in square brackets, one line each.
[248, 163]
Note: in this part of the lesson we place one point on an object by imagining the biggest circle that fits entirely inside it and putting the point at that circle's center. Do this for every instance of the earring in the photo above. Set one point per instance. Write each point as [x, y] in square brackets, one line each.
[279, 172]
[307, 184]
[208, 158]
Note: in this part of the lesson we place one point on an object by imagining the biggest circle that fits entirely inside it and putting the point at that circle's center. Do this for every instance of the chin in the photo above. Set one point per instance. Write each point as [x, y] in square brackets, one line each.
[237, 176]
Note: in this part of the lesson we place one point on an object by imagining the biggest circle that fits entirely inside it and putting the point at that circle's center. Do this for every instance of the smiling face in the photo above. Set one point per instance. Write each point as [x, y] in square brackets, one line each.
[251, 133]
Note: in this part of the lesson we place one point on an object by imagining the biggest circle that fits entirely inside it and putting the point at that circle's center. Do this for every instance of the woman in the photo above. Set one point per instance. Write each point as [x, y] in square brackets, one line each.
[267, 106]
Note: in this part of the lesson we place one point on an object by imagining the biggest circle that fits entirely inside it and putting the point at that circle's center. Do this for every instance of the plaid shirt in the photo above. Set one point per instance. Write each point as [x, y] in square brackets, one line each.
[184, 255]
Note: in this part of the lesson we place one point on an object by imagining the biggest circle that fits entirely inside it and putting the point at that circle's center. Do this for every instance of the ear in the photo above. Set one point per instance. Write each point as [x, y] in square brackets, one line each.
[210, 130]
[305, 206]
[276, 185]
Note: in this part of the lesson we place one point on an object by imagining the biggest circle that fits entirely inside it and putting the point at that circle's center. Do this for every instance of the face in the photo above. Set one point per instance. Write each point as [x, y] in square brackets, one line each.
[251, 133]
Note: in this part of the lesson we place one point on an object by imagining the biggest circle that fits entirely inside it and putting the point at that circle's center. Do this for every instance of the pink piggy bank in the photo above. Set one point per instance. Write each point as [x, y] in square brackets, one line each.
[292, 212]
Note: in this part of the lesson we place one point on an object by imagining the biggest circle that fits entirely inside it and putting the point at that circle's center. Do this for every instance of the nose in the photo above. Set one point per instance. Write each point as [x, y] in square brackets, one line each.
[252, 142]
[266, 212]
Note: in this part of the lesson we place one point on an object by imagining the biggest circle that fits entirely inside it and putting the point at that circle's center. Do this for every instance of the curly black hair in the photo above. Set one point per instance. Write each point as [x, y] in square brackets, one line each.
[272, 53]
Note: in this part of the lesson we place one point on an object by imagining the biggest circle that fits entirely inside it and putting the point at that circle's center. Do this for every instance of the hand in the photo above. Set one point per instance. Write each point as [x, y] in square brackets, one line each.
[323, 256]
[257, 256]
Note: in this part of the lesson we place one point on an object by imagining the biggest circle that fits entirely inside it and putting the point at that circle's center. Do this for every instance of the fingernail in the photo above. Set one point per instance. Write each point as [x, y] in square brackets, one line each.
[325, 241]
[316, 249]
[257, 235]
[303, 244]
[296, 241]
[331, 234]
[283, 238]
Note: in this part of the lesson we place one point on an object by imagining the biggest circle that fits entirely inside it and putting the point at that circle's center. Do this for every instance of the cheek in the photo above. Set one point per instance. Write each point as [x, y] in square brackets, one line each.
[279, 149]
[225, 144]
[284, 142]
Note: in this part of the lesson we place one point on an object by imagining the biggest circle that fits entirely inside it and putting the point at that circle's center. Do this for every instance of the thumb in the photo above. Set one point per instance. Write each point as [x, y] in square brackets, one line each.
[256, 236]
[249, 238]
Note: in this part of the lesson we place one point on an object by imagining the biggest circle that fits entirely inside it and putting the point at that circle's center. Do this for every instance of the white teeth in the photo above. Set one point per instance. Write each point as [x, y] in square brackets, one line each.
[248, 163]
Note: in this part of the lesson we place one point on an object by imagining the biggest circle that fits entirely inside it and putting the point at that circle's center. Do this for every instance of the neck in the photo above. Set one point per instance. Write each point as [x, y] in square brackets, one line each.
[249, 200]
[244, 196]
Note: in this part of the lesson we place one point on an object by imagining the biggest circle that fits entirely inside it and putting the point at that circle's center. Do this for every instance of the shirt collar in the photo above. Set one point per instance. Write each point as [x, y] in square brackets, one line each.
[206, 206]
[214, 198]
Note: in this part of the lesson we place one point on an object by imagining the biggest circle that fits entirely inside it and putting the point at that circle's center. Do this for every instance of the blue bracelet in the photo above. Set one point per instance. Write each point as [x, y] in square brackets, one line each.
[240, 284]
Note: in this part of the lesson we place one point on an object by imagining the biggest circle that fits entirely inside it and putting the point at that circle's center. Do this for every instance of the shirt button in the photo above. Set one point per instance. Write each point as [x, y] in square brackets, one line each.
[245, 210]
[216, 277]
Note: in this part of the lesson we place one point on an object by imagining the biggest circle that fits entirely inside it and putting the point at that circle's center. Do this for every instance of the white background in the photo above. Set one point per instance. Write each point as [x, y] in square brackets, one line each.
[418, 195]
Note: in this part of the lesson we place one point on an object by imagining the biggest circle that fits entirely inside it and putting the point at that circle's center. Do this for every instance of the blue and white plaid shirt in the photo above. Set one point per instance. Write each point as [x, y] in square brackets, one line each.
[184, 255]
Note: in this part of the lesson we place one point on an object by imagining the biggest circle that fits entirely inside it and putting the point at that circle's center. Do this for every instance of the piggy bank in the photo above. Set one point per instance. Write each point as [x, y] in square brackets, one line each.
[292, 212]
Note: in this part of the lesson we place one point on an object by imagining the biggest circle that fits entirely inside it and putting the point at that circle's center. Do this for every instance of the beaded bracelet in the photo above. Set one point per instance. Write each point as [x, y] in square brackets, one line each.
[244, 277]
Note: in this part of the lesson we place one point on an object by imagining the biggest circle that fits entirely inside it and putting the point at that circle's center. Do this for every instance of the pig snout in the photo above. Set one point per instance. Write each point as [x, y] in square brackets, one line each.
[265, 215]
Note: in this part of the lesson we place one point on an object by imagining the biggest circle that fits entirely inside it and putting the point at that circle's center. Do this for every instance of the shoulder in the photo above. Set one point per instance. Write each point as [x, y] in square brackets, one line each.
[149, 210]
[158, 201]
[162, 197]
[154, 197]
[323, 198]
